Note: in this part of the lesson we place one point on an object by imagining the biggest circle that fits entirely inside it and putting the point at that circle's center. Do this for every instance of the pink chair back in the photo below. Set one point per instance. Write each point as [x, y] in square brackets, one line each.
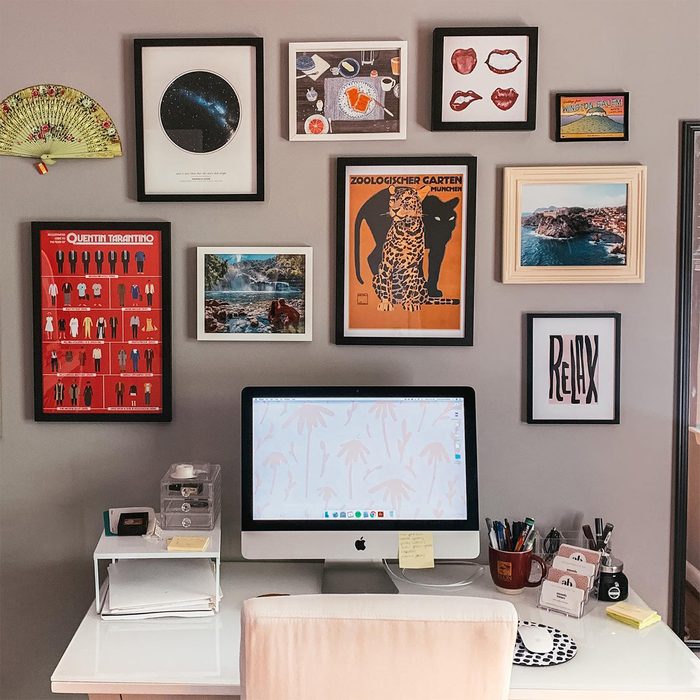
[361, 647]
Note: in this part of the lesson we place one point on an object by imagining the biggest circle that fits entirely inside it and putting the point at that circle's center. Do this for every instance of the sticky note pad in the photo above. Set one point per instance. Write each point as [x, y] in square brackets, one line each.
[416, 550]
[188, 544]
[633, 615]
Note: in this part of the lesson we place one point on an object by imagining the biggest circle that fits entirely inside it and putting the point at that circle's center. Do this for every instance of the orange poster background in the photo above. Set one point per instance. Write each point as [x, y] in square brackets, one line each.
[430, 317]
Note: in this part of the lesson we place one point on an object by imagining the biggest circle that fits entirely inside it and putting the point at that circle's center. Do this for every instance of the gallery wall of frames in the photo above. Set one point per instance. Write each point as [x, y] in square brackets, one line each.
[394, 193]
[405, 225]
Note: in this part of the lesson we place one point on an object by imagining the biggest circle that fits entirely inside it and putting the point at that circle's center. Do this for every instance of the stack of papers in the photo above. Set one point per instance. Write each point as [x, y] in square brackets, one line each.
[633, 615]
[141, 588]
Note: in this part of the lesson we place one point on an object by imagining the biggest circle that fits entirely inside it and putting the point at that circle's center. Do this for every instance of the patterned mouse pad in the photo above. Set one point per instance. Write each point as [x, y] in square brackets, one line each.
[564, 649]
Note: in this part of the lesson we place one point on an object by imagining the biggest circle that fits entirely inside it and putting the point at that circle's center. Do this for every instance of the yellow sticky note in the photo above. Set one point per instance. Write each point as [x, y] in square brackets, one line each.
[416, 550]
[188, 544]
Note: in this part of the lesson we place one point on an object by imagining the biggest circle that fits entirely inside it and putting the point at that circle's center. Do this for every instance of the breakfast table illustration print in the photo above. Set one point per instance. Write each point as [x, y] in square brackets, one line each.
[347, 91]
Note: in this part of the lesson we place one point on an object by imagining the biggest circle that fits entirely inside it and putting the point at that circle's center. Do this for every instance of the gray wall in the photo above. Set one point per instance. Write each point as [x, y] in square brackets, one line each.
[56, 479]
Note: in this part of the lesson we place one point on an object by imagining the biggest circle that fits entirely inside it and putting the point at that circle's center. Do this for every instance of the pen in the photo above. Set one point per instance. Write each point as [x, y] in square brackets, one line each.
[529, 525]
[499, 534]
[529, 541]
[607, 533]
[517, 528]
[509, 538]
[598, 532]
[491, 534]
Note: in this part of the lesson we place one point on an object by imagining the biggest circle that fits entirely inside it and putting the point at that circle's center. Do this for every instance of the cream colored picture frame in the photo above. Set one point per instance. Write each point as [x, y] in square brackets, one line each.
[615, 253]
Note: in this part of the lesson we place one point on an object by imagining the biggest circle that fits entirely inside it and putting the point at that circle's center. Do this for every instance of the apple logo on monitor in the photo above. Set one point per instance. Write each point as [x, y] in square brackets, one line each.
[360, 544]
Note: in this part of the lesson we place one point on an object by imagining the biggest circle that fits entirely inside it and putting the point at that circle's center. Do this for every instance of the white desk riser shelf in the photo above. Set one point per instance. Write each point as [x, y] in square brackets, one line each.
[200, 656]
[113, 548]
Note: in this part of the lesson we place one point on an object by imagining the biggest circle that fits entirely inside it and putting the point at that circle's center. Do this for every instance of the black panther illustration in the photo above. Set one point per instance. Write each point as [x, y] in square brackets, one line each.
[439, 221]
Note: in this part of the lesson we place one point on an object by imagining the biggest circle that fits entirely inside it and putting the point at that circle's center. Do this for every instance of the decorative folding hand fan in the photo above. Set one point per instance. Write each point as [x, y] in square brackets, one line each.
[55, 121]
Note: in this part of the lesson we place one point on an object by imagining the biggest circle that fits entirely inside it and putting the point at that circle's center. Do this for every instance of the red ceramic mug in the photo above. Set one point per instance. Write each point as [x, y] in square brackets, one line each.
[510, 571]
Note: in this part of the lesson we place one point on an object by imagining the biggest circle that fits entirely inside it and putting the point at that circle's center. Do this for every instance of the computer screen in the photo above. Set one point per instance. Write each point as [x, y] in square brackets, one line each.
[325, 469]
[359, 458]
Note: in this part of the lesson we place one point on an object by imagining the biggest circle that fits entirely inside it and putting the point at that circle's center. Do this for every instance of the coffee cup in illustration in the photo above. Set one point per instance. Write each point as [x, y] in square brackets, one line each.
[387, 83]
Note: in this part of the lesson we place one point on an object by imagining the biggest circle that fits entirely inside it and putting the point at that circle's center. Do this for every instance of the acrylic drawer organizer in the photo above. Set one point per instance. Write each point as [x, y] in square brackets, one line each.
[190, 497]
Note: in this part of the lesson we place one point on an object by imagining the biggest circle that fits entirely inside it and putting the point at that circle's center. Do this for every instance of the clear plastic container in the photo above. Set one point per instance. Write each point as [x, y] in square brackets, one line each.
[190, 496]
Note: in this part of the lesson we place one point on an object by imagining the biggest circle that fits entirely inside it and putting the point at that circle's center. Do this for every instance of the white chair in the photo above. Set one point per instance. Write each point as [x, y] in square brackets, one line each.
[376, 647]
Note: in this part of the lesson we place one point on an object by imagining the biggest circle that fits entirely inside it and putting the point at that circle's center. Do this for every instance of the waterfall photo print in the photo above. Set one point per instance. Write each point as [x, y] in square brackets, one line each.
[254, 293]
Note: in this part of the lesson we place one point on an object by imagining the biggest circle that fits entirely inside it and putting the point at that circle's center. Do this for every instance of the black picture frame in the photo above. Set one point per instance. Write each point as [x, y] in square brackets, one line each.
[530, 388]
[689, 219]
[468, 200]
[600, 93]
[164, 336]
[256, 131]
[438, 123]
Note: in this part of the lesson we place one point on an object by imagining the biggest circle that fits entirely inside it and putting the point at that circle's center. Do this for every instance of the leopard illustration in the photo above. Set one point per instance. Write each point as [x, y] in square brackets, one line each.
[400, 278]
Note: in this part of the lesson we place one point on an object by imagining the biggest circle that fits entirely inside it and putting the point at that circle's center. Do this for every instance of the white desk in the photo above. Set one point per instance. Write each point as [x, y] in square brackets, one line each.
[199, 657]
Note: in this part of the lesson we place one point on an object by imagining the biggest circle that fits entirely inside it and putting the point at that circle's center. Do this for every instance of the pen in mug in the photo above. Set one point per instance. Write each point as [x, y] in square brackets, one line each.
[529, 525]
[491, 533]
[529, 541]
[509, 537]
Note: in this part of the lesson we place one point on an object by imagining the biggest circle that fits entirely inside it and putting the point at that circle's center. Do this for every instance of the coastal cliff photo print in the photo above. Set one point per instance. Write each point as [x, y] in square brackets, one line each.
[254, 293]
[574, 224]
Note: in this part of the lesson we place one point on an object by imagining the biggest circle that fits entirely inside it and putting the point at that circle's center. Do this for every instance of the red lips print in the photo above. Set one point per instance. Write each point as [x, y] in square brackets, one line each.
[503, 61]
[461, 100]
[463, 60]
[504, 98]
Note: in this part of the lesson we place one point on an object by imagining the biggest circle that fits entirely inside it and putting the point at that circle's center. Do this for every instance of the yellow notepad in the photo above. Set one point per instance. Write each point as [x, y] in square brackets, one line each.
[188, 544]
[633, 615]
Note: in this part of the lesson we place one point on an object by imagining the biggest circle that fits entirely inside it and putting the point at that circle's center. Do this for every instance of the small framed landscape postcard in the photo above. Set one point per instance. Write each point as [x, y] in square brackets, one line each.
[347, 90]
[592, 116]
[568, 224]
[199, 119]
[254, 293]
[405, 250]
[573, 368]
[484, 79]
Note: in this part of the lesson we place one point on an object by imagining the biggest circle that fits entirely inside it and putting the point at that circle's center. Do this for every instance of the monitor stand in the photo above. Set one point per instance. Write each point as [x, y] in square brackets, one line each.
[356, 577]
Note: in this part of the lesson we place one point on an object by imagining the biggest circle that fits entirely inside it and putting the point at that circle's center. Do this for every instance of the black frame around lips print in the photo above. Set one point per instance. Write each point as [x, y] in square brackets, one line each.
[437, 122]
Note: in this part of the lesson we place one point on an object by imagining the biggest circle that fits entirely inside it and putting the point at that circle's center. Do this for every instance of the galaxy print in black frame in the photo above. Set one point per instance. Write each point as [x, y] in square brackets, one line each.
[199, 119]
[200, 111]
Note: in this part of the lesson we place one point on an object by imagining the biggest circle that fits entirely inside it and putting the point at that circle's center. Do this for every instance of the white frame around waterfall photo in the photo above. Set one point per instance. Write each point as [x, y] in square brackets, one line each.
[249, 319]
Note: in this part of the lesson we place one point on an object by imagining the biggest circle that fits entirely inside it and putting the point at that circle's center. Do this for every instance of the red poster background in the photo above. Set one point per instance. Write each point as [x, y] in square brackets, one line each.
[101, 321]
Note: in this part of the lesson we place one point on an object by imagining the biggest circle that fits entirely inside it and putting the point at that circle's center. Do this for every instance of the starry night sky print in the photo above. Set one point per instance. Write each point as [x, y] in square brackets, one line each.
[200, 112]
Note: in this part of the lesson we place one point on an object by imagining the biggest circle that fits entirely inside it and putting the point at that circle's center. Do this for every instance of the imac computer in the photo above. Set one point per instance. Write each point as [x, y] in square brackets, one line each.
[336, 473]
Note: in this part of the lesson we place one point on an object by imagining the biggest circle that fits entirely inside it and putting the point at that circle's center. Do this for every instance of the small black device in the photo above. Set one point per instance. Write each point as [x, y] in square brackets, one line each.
[133, 523]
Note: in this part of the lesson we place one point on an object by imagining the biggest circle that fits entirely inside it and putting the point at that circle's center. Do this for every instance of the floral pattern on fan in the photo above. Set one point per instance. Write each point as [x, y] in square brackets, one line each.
[50, 121]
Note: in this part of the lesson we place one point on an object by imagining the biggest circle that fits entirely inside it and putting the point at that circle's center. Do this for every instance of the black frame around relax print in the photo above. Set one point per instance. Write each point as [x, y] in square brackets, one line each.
[573, 368]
